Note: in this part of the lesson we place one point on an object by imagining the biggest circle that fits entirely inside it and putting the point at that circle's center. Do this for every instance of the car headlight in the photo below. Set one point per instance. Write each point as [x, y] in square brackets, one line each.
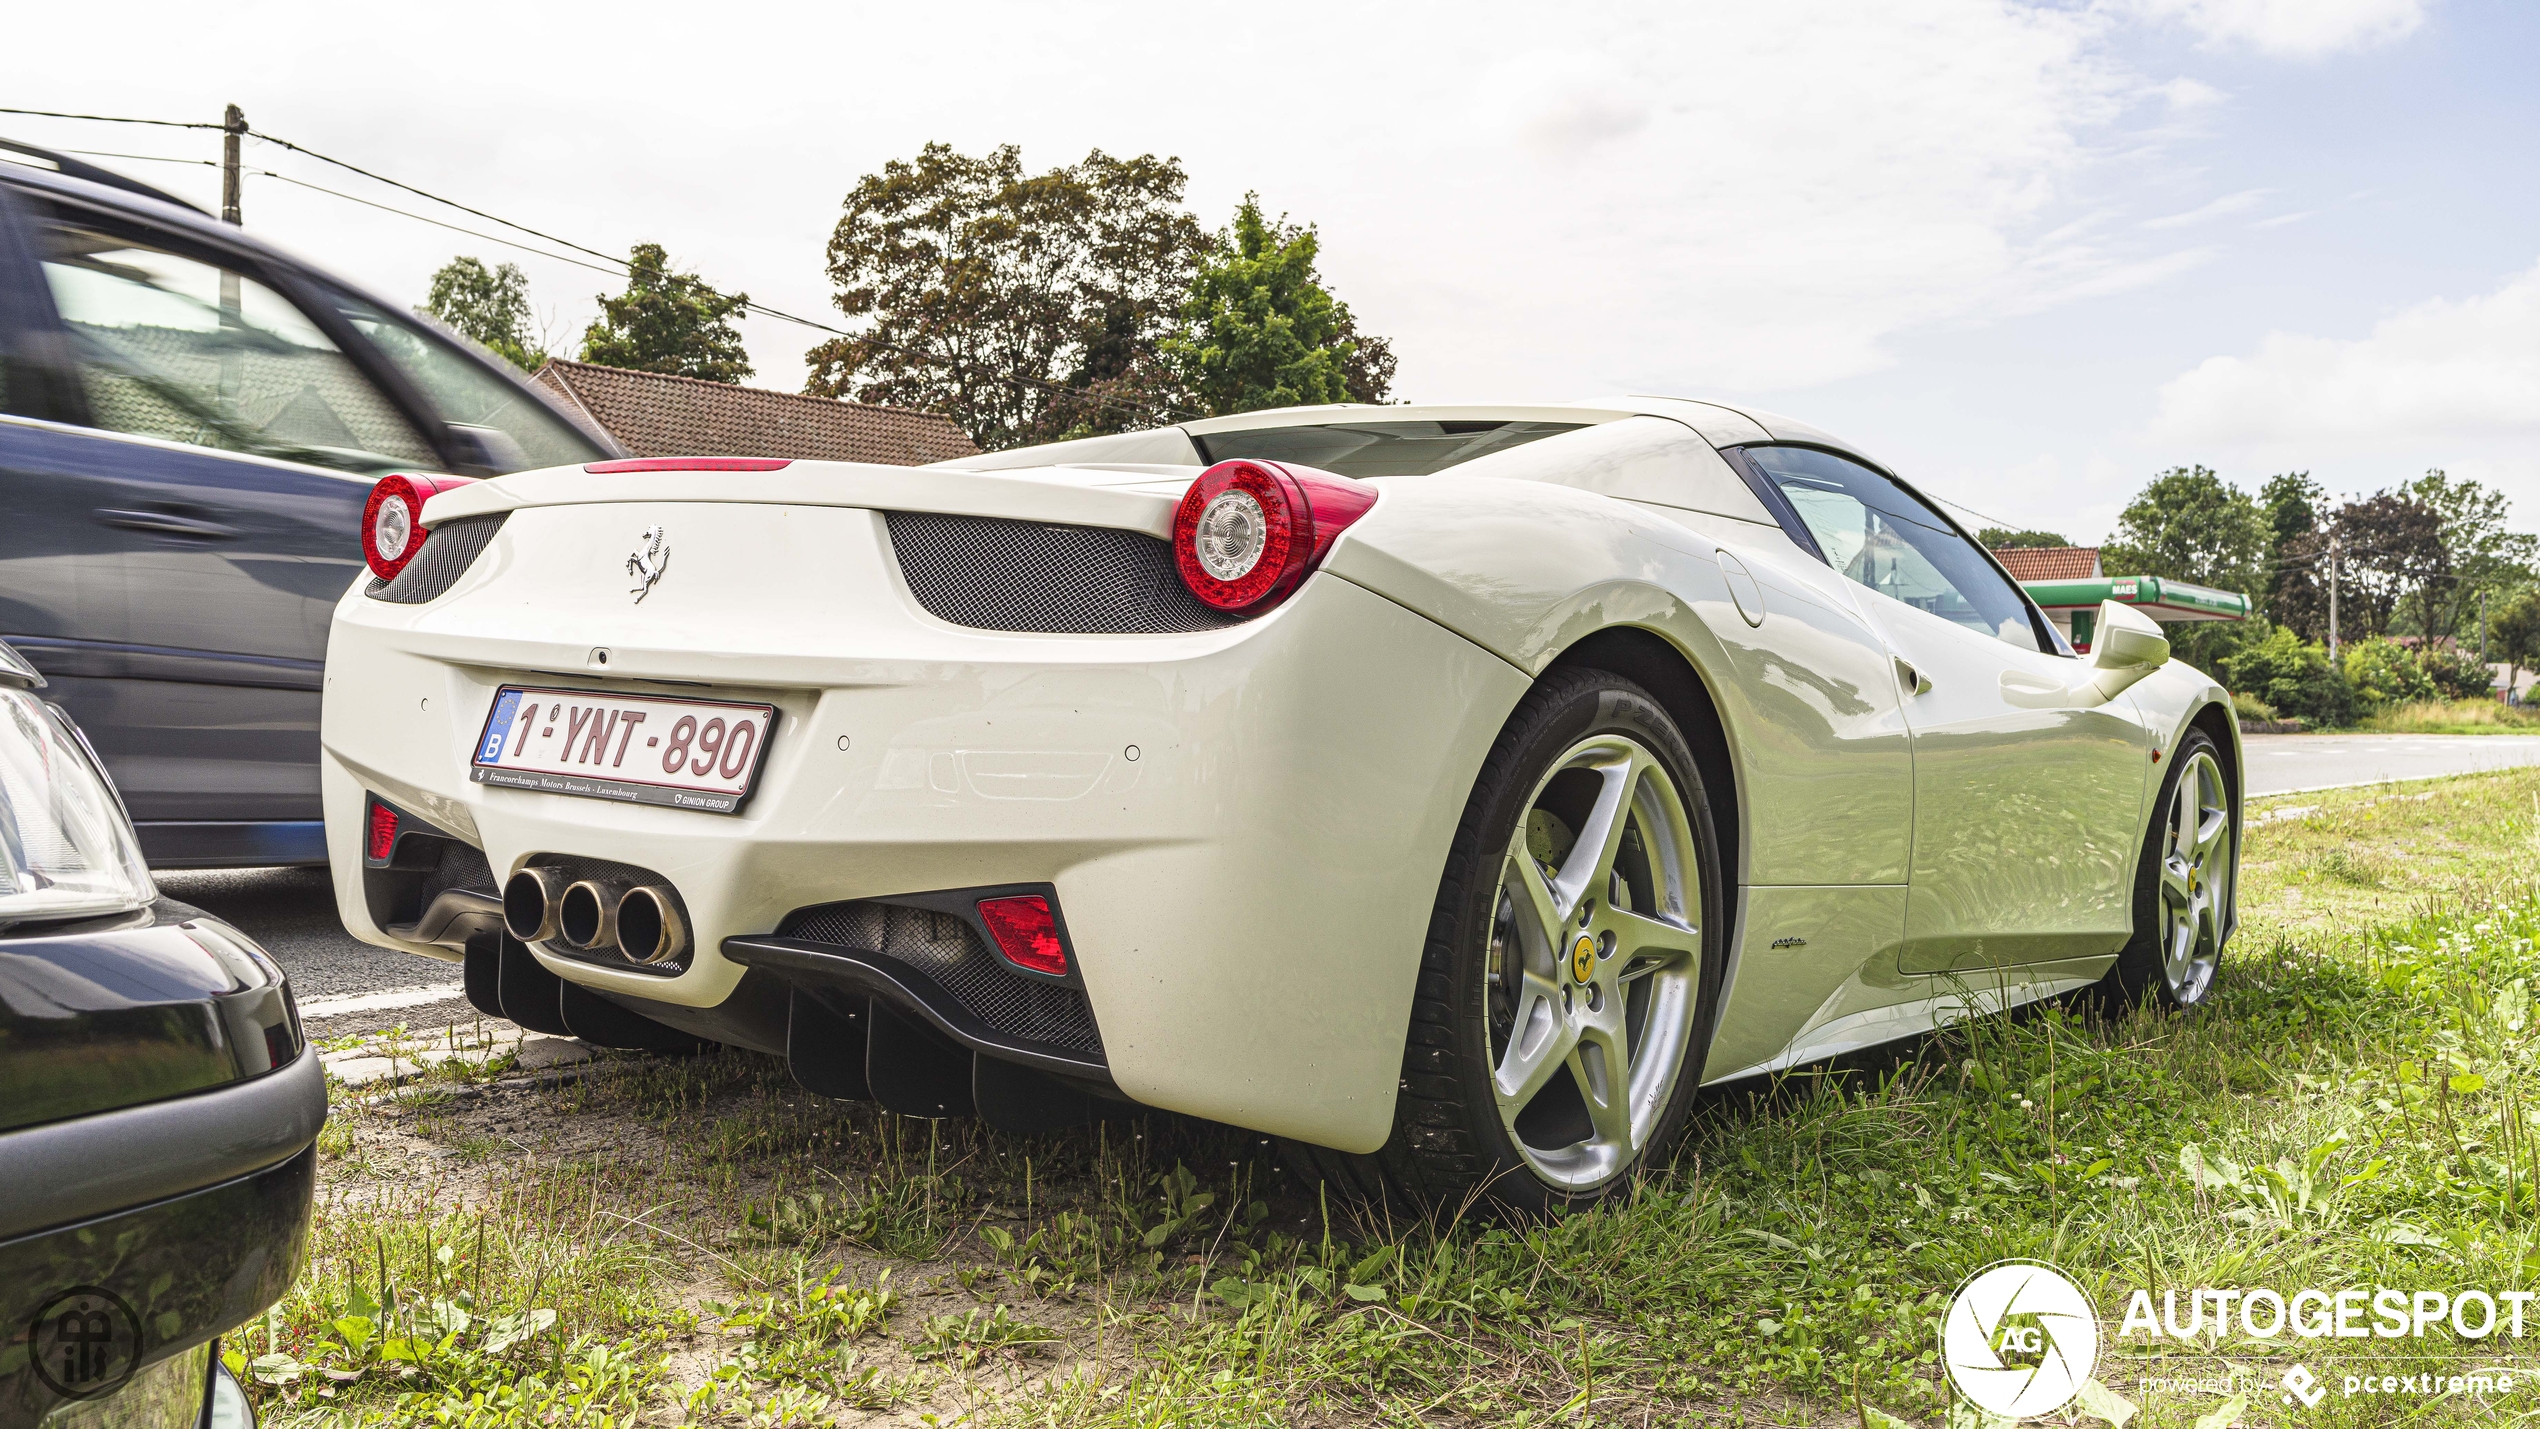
[66, 848]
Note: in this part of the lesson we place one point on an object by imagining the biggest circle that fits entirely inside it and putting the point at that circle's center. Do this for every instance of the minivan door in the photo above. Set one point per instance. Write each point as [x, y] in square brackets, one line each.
[199, 498]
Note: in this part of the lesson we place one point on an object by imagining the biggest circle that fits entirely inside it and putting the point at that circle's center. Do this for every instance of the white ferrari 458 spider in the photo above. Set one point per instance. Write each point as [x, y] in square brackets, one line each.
[1451, 791]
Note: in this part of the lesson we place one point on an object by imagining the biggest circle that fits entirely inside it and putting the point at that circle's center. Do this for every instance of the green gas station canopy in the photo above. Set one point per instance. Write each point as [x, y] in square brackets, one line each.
[2161, 599]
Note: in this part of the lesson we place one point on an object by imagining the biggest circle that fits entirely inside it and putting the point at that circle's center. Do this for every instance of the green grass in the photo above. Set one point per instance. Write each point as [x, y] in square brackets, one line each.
[696, 1241]
[2453, 717]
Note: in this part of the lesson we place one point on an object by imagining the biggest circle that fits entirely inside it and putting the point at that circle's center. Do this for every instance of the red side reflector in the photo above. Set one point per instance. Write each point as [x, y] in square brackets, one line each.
[383, 832]
[1026, 933]
[689, 463]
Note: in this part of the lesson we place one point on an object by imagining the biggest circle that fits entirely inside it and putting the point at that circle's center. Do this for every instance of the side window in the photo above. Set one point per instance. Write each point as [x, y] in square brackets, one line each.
[510, 429]
[1877, 534]
[166, 345]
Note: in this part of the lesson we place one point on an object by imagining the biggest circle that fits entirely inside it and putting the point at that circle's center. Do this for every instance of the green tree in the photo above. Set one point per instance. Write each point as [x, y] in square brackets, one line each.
[2479, 554]
[668, 322]
[489, 307]
[2292, 593]
[1026, 307]
[2514, 633]
[2189, 524]
[1262, 331]
[2001, 538]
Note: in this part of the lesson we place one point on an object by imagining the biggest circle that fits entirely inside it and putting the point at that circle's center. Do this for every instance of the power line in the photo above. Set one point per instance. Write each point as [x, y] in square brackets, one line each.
[617, 264]
[109, 119]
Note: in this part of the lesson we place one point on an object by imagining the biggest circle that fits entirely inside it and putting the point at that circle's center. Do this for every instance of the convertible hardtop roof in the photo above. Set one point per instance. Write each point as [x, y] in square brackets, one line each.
[1720, 424]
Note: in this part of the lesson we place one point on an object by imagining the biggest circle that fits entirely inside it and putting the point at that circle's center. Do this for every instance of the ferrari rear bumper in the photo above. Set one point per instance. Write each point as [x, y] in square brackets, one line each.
[1245, 827]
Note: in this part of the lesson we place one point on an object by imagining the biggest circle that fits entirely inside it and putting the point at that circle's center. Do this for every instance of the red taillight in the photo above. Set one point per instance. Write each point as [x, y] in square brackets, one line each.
[383, 833]
[1247, 532]
[1026, 932]
[392, 520]
[689, 463]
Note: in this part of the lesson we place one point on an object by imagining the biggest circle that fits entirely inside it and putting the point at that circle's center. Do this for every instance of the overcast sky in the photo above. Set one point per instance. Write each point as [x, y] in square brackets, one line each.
[2029, 254]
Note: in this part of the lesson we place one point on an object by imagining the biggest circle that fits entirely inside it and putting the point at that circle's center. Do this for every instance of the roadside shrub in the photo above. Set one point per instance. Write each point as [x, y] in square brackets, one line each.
[2384, 673]
[2291, 676]
[2459, 674]
[2250, 707]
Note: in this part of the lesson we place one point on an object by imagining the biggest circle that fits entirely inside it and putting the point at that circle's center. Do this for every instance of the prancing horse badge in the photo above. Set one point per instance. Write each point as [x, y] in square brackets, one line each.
[651, 558]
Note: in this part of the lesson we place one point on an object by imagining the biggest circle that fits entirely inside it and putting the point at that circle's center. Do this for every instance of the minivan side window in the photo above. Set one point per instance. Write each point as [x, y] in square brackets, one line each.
[169, 346]
[1883, 537]
[503, 427]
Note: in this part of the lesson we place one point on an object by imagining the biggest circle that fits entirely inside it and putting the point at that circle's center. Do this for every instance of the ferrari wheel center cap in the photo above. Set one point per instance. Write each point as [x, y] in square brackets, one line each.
[1583, 957]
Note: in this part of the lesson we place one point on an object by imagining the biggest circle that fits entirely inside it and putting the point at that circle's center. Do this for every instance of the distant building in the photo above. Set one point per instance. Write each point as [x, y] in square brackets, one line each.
[2050, 563]
[651, 414]
[2067, 583]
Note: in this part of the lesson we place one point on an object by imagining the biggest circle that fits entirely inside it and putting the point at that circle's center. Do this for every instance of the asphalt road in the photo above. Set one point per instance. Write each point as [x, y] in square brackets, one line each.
[346, 986]
[2290, 763]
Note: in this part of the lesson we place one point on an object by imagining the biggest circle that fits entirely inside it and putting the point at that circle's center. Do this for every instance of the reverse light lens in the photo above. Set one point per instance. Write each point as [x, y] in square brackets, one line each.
[382, 834]
[1232, 534]
[392, 520]
[1026, 932]
[1247, 532]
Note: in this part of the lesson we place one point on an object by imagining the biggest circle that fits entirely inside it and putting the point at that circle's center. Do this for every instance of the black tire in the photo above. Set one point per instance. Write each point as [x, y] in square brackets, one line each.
[1450, 1143]
[2140, 973]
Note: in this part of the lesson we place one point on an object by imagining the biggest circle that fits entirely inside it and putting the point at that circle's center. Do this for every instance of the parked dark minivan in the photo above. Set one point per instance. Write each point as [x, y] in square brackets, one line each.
[190, 423]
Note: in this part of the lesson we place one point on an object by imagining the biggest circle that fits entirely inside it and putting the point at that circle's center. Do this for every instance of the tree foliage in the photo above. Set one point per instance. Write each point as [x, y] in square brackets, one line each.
[1028, 308]
[2001, 538]
[668, 322]
[2189, 524]
[1262, 331]
[1037, 307]
[488, 306]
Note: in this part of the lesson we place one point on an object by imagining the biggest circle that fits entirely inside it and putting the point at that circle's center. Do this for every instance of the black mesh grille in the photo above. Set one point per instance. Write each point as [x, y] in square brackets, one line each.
[577, 869]
[1069, 580]
[452, 547]
[461, 866]
[951, 952]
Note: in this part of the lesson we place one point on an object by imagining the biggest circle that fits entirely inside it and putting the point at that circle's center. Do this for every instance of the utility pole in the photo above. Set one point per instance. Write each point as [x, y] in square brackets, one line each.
[2332, 598]
[233, 125]
[2482, 627]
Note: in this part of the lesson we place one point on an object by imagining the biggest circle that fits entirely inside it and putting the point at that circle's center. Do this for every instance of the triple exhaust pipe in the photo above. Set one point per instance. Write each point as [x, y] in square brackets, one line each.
[639, 921]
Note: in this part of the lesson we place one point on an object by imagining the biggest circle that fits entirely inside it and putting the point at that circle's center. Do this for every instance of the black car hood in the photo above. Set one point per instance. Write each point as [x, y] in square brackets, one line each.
[161, 1005]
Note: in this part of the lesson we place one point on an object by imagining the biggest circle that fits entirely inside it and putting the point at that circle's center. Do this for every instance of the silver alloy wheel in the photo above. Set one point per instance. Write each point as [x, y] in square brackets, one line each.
[2196, 871]
[1595, 962]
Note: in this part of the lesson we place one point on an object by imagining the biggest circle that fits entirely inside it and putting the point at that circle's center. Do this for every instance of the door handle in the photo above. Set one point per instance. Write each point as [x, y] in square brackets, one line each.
[1911, 679]
[165, 523]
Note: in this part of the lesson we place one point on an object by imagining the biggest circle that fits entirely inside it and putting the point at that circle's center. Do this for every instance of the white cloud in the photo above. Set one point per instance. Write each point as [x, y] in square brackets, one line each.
[2440, 377]
[2228, 204]
[1681, 196]
[2297, 29]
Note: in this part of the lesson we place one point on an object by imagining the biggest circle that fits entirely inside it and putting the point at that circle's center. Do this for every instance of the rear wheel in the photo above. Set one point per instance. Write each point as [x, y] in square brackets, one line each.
[2184, 886]
[1566, 992]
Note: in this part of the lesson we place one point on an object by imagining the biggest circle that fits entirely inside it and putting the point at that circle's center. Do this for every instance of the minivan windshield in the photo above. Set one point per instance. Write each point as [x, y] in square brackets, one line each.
[1376, 448]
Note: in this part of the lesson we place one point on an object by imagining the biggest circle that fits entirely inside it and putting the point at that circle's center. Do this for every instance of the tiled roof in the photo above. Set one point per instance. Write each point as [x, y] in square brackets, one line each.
[651, 414]
[2049, 563]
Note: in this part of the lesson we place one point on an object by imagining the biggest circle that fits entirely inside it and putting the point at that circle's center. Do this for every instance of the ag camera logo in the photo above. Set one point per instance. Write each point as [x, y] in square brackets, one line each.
[2019, 1339]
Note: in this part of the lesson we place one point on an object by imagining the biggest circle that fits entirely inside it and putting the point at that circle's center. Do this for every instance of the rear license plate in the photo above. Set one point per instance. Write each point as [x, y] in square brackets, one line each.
[682, 754]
